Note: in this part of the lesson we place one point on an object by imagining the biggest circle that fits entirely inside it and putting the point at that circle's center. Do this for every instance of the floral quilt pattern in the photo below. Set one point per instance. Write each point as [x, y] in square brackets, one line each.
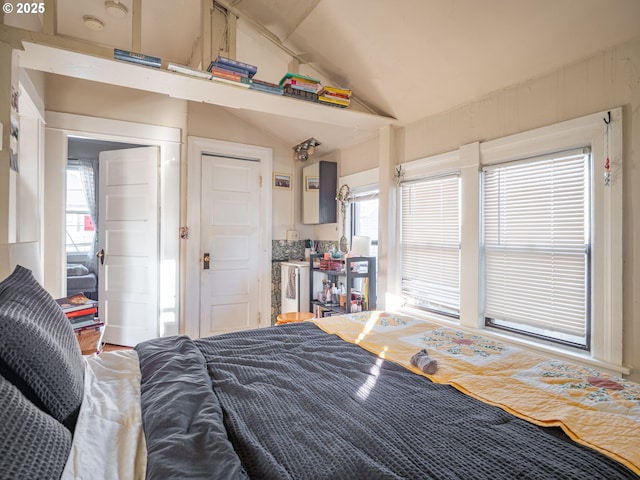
[464, 346]
[586, 386]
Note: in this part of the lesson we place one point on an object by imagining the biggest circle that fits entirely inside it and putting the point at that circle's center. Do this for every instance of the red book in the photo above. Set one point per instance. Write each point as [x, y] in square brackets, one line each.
[80, 313]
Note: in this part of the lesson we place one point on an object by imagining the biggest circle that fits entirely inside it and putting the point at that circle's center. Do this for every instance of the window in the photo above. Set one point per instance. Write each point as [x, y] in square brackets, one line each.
[364, 217]
[540, 238]
[537, 246]
[430, 244]
[80, 229]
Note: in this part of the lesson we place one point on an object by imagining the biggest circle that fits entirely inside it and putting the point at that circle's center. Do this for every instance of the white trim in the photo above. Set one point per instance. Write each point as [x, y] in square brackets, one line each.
[196, 147]
[126, 132]
[361, 179]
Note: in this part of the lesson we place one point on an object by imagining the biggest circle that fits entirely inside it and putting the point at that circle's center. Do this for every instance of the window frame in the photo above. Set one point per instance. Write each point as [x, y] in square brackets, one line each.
[579, 251]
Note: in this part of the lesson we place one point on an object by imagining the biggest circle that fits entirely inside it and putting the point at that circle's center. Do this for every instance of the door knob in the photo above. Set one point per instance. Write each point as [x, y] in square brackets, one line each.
[206, 258]
[100, 255]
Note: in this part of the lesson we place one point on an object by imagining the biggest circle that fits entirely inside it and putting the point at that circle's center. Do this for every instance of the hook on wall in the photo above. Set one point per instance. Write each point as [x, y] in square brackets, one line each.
[607, 163]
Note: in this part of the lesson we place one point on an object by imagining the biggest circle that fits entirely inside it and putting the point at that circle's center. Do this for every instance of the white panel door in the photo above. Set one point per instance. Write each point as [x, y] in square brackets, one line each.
[229, 228]
[128, 238]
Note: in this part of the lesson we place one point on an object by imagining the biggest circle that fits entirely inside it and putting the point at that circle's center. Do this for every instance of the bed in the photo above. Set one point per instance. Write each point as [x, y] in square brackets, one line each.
[333, 398]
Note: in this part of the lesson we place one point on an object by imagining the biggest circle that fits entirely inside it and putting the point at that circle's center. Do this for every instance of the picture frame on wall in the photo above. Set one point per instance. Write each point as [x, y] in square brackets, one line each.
[282, 181]
[312, 183]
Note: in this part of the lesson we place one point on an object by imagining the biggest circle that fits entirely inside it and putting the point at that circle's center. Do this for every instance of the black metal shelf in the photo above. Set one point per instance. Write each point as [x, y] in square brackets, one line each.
[368, 263]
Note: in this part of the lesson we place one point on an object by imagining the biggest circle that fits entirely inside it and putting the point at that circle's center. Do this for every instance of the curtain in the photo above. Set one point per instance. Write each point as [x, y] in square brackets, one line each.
[88, 174]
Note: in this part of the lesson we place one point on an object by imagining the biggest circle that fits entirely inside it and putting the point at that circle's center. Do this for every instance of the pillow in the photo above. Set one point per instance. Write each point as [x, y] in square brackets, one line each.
[76, 270]
[33, 444]
[39, 353]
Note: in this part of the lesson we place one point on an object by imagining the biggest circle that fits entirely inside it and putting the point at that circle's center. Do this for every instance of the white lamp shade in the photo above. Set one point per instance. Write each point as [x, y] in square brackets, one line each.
[361, 246]
[26, 254]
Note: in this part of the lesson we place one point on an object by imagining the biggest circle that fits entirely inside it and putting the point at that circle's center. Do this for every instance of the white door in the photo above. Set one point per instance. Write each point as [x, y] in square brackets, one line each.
[229, 244]
[128, 240]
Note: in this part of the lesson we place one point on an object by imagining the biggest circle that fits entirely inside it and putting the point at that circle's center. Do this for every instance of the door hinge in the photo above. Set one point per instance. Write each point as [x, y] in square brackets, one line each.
[259, 318]
[260, 181]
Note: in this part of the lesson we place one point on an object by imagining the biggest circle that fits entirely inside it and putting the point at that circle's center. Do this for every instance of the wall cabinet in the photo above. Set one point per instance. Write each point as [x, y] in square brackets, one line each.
[319, 189]
[356, 274]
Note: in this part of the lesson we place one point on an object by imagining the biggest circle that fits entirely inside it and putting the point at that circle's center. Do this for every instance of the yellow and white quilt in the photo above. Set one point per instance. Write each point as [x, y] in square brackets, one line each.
[593, 408]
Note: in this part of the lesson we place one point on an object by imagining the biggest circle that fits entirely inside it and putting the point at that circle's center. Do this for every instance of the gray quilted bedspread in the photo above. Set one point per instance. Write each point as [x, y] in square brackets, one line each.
[292, 402]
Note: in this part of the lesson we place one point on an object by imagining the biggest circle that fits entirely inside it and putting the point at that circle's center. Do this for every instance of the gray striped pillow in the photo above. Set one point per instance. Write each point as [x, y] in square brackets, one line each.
[33, 444]
[39, 353]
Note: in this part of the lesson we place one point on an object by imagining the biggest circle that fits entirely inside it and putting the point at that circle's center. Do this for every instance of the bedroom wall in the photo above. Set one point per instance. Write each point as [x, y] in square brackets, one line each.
[81, 97]
[609, 79]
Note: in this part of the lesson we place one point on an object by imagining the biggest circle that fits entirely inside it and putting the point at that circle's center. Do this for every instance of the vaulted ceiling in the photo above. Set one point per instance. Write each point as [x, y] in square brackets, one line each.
[407, 59]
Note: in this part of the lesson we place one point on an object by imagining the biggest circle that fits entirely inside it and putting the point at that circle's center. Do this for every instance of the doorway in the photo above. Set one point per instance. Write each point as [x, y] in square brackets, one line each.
[81, 213]
[205, 155]
[60, 129]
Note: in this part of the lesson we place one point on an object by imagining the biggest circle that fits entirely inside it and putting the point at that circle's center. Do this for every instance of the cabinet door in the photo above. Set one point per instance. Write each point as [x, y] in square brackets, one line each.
[319, 184]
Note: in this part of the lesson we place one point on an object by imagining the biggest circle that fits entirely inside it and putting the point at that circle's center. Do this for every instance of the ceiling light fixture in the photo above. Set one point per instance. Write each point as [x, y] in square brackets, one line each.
[304, 150]
[93, 23]
[115, 8]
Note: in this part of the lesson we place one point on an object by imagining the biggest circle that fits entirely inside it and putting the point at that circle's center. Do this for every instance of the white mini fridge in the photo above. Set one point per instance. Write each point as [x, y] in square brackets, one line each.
[294, 286]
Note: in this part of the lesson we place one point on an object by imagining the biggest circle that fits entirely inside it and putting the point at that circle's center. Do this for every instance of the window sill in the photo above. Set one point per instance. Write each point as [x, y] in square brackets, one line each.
[561, 353]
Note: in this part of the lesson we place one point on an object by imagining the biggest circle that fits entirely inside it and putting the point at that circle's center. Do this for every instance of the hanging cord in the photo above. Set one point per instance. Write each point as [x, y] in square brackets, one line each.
[607, 163]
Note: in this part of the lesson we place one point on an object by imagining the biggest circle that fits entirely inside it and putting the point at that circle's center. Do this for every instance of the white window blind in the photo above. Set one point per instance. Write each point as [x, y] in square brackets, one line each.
[537, 246]
[430, 243]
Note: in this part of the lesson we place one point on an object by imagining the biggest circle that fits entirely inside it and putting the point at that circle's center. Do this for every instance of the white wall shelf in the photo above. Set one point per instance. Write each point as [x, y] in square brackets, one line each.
[52, 59]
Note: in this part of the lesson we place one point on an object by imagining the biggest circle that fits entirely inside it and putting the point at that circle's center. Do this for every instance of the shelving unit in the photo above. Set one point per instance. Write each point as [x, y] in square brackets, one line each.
[347, 271]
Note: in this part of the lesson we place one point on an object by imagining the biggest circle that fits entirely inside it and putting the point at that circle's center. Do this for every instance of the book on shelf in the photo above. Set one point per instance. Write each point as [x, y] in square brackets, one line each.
[228, 74]
[299, 77]
[263, 86]
[242, 82]
[138, 58]
[289, 91]
[188, 71]
[308, 87]
[250, 69]
[229, 68]
[333, 101]
[340, 92]
[76, 302]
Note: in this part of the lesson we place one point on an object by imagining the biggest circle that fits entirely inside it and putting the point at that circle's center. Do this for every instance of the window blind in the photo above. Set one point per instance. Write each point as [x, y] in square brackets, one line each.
[430, 243]
[537, 246]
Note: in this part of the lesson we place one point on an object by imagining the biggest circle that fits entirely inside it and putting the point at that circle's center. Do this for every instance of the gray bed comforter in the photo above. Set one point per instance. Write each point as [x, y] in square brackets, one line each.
[292, 402]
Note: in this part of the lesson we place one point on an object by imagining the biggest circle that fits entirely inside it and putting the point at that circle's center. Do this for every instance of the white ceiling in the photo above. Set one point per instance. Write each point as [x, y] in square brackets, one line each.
[407, 59]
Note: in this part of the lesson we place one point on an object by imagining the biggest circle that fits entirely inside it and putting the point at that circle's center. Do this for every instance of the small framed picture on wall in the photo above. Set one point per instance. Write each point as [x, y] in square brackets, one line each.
[282, 181]
[312, 183]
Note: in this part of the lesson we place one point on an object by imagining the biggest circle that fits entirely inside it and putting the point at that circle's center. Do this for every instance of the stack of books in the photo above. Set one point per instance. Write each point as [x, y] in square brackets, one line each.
[300, 86]
[232, 71]
[334, 96]
[80, 310]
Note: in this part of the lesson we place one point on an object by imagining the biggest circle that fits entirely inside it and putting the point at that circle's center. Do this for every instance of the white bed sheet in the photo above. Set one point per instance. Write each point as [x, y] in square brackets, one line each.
[108, 442]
